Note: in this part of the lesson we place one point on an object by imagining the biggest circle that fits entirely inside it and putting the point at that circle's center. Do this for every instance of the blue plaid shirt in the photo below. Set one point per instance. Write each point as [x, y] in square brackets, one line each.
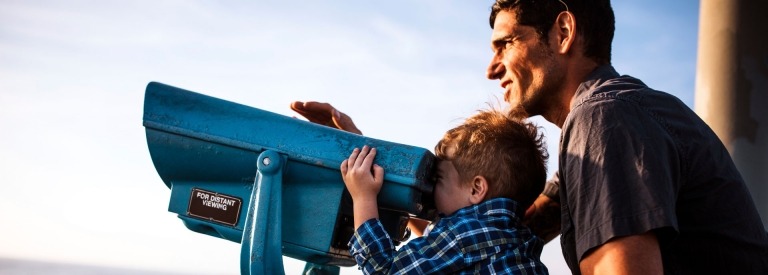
[487, 238]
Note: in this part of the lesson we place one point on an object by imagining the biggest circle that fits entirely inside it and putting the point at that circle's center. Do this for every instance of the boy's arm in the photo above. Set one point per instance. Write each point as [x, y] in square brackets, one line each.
[363, 185]
[372, 248]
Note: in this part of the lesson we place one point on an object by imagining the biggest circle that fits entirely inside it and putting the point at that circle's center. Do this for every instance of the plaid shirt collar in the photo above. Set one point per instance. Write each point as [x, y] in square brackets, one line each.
[493, 207]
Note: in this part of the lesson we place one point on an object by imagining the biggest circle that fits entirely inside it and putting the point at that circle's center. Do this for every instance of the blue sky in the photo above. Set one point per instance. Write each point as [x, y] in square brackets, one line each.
[77, 182]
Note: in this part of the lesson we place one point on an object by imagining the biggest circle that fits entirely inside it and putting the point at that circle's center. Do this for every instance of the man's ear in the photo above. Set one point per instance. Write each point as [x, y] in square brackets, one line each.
[564, 32]
[479, 190]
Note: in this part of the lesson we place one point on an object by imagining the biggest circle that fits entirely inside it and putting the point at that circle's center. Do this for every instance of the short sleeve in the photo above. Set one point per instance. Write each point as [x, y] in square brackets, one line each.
[619, 173]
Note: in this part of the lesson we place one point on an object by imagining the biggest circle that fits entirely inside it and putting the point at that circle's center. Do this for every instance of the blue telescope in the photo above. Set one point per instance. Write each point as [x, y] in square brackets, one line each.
[272, 182]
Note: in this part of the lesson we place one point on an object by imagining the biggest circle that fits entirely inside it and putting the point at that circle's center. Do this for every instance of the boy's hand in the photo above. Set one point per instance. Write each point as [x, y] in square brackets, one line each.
[363, 185]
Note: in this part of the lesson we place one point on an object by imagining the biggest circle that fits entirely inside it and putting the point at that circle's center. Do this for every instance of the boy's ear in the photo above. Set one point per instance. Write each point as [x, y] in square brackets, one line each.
[479, 190]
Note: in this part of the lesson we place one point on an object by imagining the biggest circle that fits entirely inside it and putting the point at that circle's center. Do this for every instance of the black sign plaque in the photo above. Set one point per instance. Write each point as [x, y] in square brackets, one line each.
[214, 206]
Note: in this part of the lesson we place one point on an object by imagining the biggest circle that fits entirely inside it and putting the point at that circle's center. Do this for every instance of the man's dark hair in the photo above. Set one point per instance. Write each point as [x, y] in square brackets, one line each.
[594, 21]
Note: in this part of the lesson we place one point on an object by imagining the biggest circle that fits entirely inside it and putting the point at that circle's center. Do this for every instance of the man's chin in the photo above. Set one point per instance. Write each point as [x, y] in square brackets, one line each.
[518, 111]
[512, 101]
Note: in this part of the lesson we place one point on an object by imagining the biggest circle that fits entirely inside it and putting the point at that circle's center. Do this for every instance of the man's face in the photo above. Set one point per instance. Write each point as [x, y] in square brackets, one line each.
[524, 64]
[450, 194]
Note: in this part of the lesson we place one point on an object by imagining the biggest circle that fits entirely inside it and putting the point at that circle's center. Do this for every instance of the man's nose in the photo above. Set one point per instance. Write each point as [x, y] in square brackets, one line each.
[495, 69]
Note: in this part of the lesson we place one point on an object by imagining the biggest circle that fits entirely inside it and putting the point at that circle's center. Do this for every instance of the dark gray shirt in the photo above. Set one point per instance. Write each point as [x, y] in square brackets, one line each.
[634, 160]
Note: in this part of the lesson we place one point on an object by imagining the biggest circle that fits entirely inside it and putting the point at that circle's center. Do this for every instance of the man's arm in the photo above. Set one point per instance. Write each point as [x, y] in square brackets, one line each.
[543, 218]
[636, 254]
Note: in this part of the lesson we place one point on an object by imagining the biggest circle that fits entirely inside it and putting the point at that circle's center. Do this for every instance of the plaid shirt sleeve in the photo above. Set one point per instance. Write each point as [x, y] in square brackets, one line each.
[372, 247]
[374, 252]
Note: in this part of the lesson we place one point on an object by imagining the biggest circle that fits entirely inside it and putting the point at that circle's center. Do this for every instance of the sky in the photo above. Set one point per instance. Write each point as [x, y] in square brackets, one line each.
[76, 179]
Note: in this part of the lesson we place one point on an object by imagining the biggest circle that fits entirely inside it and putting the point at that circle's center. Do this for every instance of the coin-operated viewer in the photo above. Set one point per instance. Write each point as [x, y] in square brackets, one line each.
[272, 182]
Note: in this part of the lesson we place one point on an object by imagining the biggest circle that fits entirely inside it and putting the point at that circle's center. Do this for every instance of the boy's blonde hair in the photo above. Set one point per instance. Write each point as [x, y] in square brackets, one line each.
[508, 151]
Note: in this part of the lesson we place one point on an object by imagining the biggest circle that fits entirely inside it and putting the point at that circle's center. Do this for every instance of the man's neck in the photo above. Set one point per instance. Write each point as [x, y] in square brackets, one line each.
[577, 73]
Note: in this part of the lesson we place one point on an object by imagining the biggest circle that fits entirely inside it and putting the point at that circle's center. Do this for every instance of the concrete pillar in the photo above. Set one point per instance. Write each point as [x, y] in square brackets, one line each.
[732, 85]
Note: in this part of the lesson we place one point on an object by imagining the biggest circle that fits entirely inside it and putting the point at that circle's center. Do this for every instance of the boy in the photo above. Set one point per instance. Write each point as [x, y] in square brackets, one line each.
[489, 170]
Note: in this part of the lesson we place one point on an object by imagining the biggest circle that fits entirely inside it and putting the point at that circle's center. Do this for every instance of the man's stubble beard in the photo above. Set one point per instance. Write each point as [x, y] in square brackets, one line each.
[546, 97]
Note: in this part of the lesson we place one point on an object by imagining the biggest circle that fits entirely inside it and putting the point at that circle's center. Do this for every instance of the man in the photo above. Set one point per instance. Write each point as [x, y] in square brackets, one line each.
[645, 186]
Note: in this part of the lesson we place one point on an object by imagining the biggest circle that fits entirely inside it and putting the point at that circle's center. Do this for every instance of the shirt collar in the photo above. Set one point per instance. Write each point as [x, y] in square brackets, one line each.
[596, 78]
[492, 207]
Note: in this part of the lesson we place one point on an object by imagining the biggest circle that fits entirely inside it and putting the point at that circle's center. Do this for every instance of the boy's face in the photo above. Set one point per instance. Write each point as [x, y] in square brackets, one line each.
[450, 194]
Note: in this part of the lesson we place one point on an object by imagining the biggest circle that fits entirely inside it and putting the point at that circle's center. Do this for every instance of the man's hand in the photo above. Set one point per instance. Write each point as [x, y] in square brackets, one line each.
[417, 226]
[543, 218]
[363, 183]
[325, 114]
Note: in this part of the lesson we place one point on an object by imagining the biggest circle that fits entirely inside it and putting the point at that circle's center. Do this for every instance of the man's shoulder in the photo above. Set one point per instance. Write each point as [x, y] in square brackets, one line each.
[623, 94]
[626, 100]
[604, 83]
[622, 88]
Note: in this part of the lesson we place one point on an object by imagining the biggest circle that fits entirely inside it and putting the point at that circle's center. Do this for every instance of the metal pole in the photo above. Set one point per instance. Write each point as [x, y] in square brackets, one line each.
[262, 251]
[732, 86]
